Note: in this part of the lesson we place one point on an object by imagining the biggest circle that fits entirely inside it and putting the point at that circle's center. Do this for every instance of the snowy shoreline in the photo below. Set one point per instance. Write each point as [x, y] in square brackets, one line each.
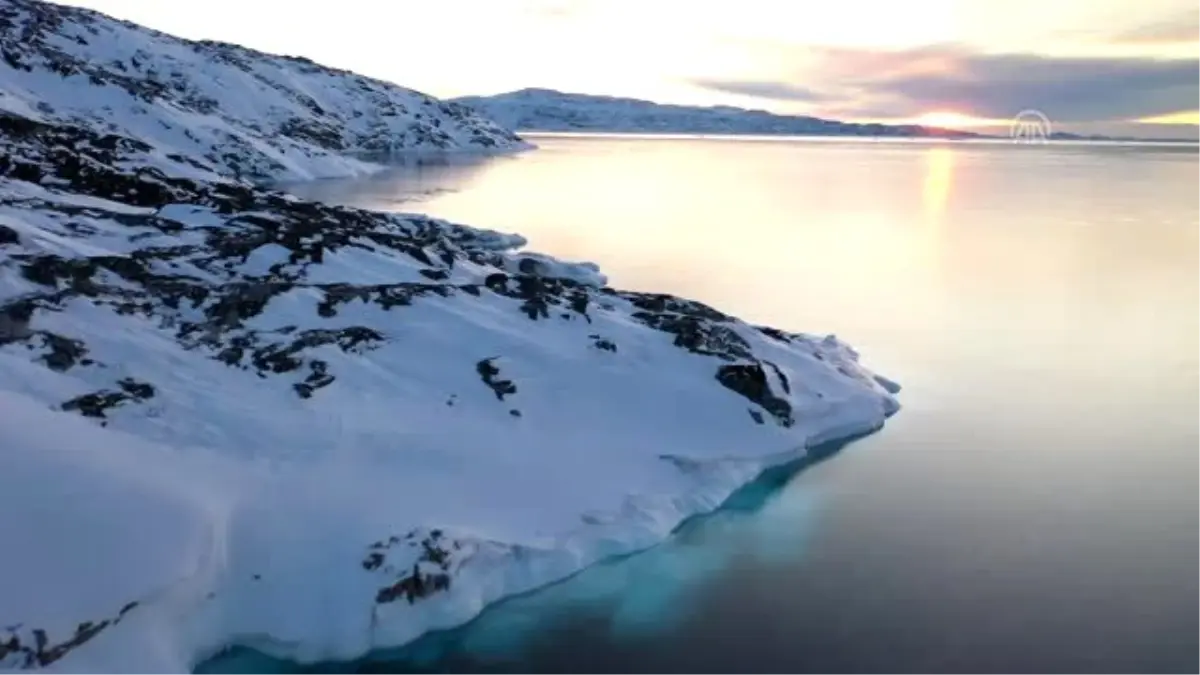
[222, 501]
[230, 416]
[217, 603]
[248, 658]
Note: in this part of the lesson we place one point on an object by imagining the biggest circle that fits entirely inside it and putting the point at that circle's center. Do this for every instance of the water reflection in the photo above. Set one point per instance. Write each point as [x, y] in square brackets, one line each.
[938, 178]
[408, 179]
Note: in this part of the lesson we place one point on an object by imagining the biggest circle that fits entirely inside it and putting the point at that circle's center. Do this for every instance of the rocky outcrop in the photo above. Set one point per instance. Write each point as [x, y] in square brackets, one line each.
[28, 648]
[189, 265]
[434, 557]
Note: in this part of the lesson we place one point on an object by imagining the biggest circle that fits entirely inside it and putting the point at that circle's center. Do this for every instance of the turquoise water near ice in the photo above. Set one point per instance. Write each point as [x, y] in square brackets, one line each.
[647, 593]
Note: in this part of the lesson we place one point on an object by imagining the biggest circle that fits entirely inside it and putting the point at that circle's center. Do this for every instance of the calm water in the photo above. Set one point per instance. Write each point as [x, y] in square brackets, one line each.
[1033, 507]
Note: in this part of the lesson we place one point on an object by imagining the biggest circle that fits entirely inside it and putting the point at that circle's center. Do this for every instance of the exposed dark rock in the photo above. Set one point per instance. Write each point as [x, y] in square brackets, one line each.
[530, 266]
[750, 380]
[603, 343]
[488, 372]
[97, 404]
[497, 281]
[783, 379]
[35, 649]
[697, 327]
[436, 275]
[138, 390]
[321, 134]
[61, 353]
[415, 585]
[539, 294]
[319, 377]
[14, 320]
[385, 296]
[775, 334]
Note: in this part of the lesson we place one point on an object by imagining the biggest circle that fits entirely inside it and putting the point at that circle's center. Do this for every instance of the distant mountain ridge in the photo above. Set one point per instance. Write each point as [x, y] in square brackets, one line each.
[534, 109]
[549, 110]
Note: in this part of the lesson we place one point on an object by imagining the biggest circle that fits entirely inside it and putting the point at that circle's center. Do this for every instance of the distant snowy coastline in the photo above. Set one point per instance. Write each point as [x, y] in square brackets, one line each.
[550, 111]
[546, 110]
[229, 416]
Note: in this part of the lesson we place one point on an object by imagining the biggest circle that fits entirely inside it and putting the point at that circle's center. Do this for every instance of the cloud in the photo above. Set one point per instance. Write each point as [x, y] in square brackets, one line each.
[777, 91]
[870, 83]
[1184, 27]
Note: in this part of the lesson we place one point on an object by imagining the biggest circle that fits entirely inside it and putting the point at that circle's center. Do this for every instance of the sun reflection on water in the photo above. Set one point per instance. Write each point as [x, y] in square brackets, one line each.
[939, 178]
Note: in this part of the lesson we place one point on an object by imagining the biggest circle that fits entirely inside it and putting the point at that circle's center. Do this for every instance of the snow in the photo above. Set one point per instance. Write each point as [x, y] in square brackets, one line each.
[110, 485]
[230, 417]
[284, 118]
[224, 477]
[555, 111]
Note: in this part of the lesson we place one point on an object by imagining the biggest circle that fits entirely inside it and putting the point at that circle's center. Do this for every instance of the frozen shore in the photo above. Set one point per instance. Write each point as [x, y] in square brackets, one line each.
[229, 416]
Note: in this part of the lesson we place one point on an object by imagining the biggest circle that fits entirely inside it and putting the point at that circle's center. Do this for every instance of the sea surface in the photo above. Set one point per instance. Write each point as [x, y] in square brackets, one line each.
[1033, 507]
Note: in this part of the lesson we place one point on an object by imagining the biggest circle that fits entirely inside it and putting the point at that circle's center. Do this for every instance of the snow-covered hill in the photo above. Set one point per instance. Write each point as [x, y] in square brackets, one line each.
[230, 416]
[548, 110]
[228, 107]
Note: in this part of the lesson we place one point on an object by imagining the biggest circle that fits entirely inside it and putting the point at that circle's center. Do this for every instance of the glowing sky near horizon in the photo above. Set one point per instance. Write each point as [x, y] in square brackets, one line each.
[1080, 61]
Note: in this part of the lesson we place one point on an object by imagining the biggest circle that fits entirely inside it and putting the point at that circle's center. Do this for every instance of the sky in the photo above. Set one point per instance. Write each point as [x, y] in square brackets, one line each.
[1090, 66]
